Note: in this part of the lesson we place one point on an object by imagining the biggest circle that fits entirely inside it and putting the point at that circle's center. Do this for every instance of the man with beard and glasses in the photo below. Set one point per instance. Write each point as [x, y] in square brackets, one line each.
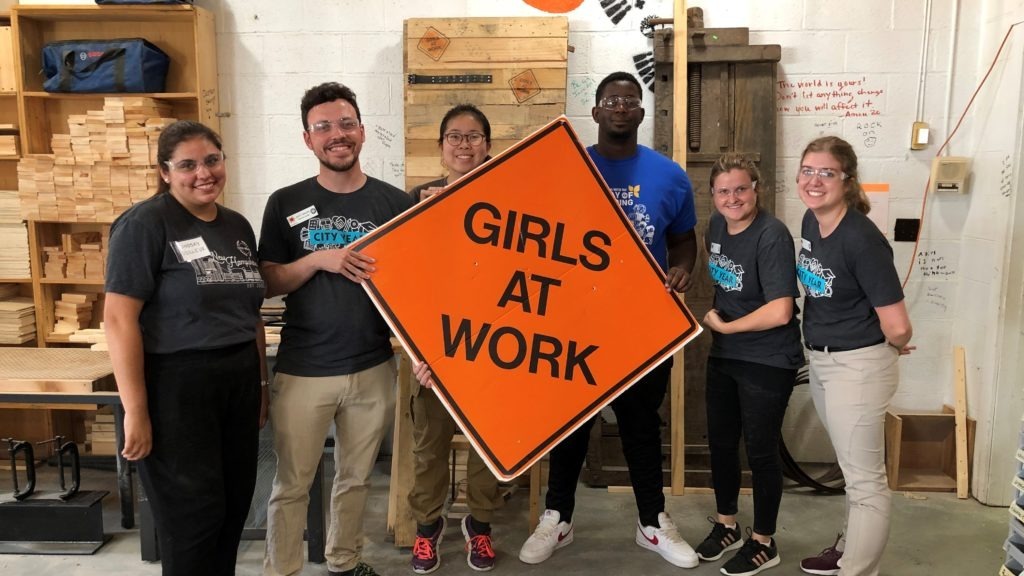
[657, 196]
[335, 363]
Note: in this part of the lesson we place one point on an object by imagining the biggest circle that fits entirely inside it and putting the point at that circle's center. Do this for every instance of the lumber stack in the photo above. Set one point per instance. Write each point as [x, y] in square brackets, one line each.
[104, 164]
[73, 312]
[8, 140]
[81, 256]
[17, 316]
[99, 435]
[14, 259]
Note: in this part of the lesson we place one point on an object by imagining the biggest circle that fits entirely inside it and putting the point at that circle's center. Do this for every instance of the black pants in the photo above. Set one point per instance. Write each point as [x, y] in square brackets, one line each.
[748, 398]
[200, 476]
[640, 432]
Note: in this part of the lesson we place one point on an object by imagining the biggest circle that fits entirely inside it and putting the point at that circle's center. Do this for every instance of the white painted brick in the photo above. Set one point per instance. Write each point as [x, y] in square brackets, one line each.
[939, 42]
[248, 175]
[876, 137]
[372, 165]
[909, 15]
[298, 53]
[372, 53]
[372, 92]
[937, 260]
[334, 16]
[982, 261]
[477, 8]
[946, 217]
[239, 54]
[901, 96]
[614, 51]
[262, 16]
[751, 14]
[286, 135]
[875, 52]
[914, 402]
[244, 137]
[394, 170]
[590, 17]
[286, 170]
[810, 52]
[864, 15]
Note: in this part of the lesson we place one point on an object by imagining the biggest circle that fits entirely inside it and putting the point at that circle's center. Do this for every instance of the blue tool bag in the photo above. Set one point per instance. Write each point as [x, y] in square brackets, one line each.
[123, 65]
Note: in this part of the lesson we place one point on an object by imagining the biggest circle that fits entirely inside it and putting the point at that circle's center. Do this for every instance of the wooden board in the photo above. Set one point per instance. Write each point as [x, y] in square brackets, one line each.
[7, 75]
[960, 414]
[526, 59]
[65, 370]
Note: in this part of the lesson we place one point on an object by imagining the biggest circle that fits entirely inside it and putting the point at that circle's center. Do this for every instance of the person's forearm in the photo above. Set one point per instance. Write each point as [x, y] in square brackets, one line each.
[287, 278]
[261, 348]
[772, 314]
[126, 355]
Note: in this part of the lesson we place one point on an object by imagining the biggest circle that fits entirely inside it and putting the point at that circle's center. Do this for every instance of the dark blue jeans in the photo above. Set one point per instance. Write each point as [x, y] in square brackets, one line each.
[640, 432]
[750, 399]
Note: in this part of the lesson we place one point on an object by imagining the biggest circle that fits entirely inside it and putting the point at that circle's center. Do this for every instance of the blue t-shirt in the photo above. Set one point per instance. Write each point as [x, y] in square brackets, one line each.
[655, 193]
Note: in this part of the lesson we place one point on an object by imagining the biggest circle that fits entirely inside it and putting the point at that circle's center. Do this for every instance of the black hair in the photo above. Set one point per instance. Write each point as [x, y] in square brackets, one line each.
[468, 110]
[323, 93]
[617, 77]
[175, 134]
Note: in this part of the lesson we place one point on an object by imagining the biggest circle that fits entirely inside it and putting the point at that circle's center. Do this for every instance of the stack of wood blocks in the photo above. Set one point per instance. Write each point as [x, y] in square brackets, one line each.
[14, 259]
[73, 312]
[104, 164]
[81, 256]
[8, 140]
[99, 435]
[17, 316]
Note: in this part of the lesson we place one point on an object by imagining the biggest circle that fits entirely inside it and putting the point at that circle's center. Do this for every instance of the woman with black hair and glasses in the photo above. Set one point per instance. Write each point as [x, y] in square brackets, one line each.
[465, 141]
[182, 315]
[855, 329]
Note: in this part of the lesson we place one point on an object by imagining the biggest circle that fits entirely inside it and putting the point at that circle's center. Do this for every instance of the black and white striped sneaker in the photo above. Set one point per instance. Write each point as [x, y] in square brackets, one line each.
[752, 558]
[721, 540]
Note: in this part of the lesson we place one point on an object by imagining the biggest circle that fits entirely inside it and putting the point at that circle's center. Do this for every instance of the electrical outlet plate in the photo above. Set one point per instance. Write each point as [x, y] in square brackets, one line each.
[919, 135]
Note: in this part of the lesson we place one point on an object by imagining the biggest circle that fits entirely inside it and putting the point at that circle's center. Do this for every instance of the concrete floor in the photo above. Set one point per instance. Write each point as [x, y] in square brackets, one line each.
[933, 534]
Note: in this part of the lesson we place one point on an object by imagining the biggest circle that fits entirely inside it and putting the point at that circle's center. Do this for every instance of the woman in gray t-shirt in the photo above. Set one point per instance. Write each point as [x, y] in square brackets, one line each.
[755, 353]
[855, 329]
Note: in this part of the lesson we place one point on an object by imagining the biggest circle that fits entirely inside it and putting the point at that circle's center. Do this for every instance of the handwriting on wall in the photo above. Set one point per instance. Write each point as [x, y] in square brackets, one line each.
[933, 296]
[933, 265]
[384, 136]
[869, 130]
[1006, 177]
[847, 97]
[581, 90]
[397, 169]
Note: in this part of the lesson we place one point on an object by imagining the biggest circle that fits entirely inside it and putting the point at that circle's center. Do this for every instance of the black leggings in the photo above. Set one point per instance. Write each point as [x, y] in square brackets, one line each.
[748, 398]
[201, 473]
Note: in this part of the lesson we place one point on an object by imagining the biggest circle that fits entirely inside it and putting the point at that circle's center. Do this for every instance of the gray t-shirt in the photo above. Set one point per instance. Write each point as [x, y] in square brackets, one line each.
[331, 326]
[845, 277]
[748, 270]
[199, 281]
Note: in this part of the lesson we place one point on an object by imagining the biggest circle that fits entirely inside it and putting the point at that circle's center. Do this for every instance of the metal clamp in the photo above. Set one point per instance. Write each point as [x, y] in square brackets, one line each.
[13, 448]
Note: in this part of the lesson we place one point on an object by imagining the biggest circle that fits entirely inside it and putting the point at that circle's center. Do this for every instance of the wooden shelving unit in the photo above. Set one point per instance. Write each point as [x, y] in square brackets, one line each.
[186, 33]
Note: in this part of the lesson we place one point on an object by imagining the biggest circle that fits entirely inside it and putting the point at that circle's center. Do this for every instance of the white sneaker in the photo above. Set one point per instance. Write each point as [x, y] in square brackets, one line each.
[550, 535]
[667, 542]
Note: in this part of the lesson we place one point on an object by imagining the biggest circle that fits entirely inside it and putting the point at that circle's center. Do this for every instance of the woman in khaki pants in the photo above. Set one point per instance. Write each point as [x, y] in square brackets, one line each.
[855, 329]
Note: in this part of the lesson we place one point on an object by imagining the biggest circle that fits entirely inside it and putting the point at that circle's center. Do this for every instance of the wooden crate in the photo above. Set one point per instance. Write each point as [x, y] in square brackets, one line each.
[920, 450]
[513, 69]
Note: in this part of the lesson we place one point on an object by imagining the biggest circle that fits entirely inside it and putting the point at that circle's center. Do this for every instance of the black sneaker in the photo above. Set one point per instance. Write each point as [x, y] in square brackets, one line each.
[752, 558]
[721, 540]
[362, 569]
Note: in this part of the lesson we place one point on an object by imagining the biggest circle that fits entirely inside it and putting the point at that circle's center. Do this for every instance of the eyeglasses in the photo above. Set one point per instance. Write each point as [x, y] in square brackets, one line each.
[325, 126]
[737, 191]
[456, 138]
[826, 174]
[190, 166]
[613, 102]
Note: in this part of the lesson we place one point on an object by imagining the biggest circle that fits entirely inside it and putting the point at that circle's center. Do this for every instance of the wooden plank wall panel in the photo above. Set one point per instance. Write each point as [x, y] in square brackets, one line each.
[526, 59]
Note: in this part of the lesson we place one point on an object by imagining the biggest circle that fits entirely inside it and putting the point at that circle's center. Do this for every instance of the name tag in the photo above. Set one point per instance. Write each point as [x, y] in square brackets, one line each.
[301, 216]
[806, 244]
[716, 248]
[194, 249]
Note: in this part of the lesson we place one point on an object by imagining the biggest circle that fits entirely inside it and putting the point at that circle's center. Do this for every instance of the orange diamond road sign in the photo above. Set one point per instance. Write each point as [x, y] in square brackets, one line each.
[527, 291]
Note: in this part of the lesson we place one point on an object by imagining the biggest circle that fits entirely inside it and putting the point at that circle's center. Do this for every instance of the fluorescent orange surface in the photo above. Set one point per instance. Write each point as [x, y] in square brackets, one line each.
[587, 282]
[555, 6]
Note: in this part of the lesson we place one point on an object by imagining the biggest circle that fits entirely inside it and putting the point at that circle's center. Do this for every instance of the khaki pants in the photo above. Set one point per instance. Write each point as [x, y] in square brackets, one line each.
[432, 433]
[851, 392]
[361, 406]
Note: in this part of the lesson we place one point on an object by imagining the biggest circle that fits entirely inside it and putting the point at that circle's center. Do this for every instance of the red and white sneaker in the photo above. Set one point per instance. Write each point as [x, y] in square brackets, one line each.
[550, 535]
[666, 541]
